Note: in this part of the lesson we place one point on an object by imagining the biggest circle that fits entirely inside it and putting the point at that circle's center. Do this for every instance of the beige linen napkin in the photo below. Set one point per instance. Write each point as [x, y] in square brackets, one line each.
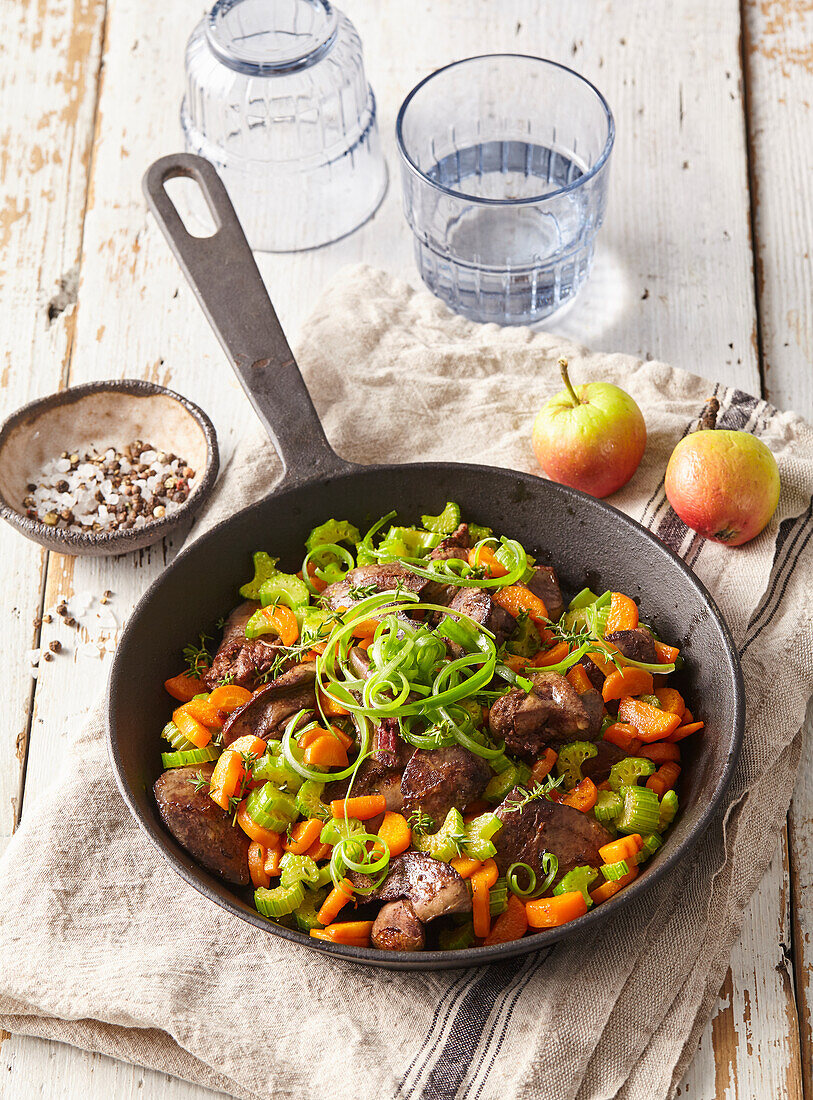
[104, 946]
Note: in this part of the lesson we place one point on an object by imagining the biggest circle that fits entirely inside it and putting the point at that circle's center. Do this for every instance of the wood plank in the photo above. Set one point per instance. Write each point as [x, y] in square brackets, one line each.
[779, 69]
[647, 282]
[49, 60]
[751, 1047]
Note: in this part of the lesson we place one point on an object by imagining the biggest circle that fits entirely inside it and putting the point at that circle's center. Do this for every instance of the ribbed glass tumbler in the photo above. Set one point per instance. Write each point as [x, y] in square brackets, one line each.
[504, 162]
[277, 99]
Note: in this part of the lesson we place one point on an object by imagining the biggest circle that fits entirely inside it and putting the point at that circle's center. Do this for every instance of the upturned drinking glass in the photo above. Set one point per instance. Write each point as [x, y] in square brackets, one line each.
[505, 161]
[277, 99]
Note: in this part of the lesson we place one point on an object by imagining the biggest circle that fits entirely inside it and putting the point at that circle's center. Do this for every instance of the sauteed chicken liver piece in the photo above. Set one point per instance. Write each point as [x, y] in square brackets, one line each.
[636, 645]
[545, 826]
[552, 714]
[433, 887]
[396, 928]
[240, 660]
[437, 779]
[199, 826]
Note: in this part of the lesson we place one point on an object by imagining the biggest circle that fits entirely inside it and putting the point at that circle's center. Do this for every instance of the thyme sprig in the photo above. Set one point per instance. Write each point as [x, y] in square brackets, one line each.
[197, 657]
[539, 790]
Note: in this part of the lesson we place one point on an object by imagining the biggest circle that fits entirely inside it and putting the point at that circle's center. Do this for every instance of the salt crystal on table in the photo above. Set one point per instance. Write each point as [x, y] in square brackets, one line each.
[34, 655]
[148, 456]
[62, 465]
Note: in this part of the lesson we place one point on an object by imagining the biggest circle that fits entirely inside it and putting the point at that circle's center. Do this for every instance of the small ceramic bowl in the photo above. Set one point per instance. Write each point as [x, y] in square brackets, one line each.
[101, 415]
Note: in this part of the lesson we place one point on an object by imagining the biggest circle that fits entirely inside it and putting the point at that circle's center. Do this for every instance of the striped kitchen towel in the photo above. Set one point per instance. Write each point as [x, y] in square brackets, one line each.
[120, 955]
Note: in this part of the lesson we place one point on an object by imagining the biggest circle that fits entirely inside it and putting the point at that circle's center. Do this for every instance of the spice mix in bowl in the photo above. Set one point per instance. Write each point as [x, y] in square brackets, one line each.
[106, 467]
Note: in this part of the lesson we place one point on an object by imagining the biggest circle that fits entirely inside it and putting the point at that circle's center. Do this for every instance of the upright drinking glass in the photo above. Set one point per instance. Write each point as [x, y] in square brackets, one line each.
[505, 161]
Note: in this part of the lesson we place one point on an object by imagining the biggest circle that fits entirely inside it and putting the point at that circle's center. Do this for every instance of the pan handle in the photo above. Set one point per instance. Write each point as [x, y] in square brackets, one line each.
[227, 283]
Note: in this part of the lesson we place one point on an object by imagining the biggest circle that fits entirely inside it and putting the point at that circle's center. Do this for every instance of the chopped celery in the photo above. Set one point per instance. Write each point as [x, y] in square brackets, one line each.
[298, 869]
[498, 897]
[334, 530]
[608, 806]
[478, 533]
[189, 756]
[279, 901]
[523, 774]
[499, 785]
[628, 771]
[478, 836]
[614, 871]
[526, 640]
[570, 760]
[457, 939]
[314, 623]
[305, 913]
[651, 844]
[447, 522]
[284, 588]
[271, 808]
[669, 807]
[501, 763]
[261, 622]
[171, 733]
[264, 566]
[406, 542]
[577, 879]
[276, 769]
[323, 878]
[309, 800]
[582, 599]
[641, 811]
[447, 842]
[339, 828]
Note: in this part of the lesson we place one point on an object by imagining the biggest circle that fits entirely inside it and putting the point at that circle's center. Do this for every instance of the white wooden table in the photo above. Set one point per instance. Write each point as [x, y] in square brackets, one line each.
[704, 263]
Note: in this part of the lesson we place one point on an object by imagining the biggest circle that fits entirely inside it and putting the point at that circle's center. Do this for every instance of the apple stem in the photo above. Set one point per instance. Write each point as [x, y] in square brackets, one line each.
[708, 417]
[568, 384]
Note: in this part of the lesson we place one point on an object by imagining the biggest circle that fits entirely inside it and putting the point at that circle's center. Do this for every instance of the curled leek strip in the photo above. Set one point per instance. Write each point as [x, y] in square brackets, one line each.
[351, 854]
[310, 773]
[456, 575]
[466, 740]
[330, 571]
[550, 865]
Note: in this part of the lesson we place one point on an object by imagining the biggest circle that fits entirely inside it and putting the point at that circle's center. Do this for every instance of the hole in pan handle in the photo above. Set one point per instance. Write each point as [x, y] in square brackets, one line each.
[227, 283]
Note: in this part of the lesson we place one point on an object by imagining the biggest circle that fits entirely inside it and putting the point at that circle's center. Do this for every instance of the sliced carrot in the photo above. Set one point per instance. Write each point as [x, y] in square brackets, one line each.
[510, 925]
[515, 662]
[364, 807]
[331, 708]
[191, 728]
[685, 731]
[583, 796]
[669, 699]
[626, 847]
[552, 912]
[318, 850]
[229, 697]
[609, 889]
[604, 664]
[343, 738]
[256, 865]
[664, 778]
[485, 558]
[317, 582]
[282, 621]
[326, 751]
[516, 598]
[205, 713]
[660, 752]
[395, 830]
[364, 644]
[248, 744]
[666, 654]
[579, 679]
[335, 901]
[356, 933]
[183, 687]
[550, 656]
[544, 765]
[310, 735]
[226, 778]
[303, 835]
[651, 723]
[624, 736]
[627, 681]
[687, 718]
[480, 908]
[623, 614]
[273, 859]
[466, 866]
[250, 827]
[366, 628]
